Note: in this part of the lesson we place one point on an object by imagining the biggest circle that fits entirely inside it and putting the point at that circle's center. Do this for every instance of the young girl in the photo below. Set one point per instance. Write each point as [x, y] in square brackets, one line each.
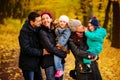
[95, 38]
[63, 33]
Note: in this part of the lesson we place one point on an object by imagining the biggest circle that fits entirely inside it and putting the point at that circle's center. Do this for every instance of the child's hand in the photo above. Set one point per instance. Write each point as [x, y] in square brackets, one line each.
[56, 22]
[58, 47]
[95, 58]
[85, 28]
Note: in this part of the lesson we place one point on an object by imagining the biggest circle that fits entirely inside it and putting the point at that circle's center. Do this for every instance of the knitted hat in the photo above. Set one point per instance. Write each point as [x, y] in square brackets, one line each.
[73, 24]
[48, 13]
[94, 22]
[64, 18]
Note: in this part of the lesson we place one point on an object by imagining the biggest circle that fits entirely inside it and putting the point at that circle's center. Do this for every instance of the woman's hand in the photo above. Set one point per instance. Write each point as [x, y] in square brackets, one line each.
[45, 52]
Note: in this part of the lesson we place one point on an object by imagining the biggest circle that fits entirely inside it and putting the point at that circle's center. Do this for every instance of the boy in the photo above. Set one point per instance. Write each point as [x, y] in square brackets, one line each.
[95, 38]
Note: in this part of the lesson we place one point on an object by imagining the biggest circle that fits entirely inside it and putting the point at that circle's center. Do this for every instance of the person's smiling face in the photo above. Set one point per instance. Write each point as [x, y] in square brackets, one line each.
[46, 20]
[62, 24]
[91, 27]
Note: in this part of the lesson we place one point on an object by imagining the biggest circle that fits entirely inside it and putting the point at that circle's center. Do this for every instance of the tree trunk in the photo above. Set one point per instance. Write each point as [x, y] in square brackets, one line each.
[107, 15]
[116, 25]
[86, 10]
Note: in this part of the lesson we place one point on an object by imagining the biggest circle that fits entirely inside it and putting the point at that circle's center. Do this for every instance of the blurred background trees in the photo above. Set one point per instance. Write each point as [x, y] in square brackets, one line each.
[13, 13]
[107, 11]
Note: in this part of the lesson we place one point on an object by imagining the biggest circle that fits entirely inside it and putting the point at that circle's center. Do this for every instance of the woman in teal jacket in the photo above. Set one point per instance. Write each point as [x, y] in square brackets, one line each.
[95, 38]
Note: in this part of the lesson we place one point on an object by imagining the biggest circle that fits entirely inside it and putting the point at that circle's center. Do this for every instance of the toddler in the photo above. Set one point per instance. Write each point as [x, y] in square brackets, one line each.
[63, 33]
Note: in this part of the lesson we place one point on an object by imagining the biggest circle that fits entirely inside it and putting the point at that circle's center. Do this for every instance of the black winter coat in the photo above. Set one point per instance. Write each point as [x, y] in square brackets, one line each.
[78, 47]
[30, 50]
[47, 39]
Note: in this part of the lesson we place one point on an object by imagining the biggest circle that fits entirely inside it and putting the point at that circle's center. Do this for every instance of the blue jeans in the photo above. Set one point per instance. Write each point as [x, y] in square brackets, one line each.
[50, 73]
[32, 75]
[58, 63]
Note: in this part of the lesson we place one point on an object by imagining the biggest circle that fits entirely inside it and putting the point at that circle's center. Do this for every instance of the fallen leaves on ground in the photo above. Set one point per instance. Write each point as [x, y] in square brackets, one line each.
[109, 61]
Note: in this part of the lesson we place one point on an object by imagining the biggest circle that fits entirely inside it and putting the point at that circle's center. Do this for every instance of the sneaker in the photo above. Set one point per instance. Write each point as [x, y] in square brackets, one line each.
[59, 73]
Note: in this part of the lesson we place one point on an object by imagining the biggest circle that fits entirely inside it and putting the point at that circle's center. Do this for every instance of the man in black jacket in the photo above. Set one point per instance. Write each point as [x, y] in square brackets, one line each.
[30, 50]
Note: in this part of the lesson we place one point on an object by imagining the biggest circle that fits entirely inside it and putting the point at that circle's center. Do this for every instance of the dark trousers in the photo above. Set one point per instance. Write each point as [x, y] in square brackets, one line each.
[32, 75]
